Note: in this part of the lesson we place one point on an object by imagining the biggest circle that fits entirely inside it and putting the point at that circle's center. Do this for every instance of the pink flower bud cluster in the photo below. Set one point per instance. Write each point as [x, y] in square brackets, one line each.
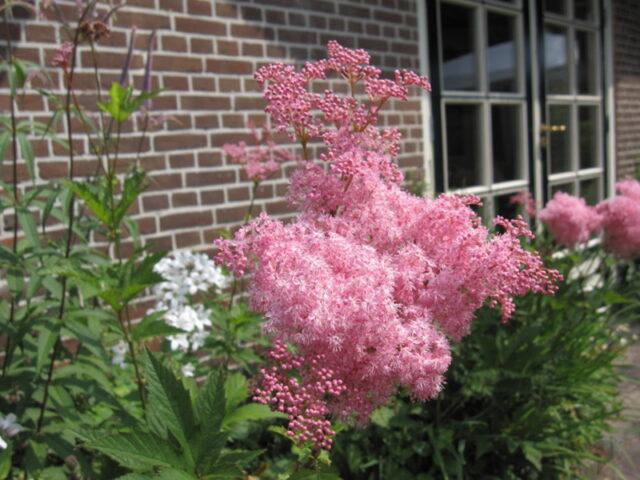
[525, 200]
[302, 398]
[262, 160]
[370, 278]
[569, 219]
[621, 220]
[305, 114]
[62, 56]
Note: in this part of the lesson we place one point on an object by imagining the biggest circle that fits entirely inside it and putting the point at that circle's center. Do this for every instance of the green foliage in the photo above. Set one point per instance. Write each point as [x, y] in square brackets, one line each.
[529, 399]
[123, 103]
[185, 432]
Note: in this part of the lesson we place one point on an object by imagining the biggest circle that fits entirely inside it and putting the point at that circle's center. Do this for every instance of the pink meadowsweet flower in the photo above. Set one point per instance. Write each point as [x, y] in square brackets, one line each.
[525, 200]
[303, 400]
[262, 160]
[621, 220]
[629, 188]
[569, 219]
[62, 56]
[370, 282]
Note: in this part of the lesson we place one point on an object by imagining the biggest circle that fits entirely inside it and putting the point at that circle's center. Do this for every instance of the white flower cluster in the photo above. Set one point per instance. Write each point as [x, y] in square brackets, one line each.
[186, 274]
[119, 351]
[9, 427]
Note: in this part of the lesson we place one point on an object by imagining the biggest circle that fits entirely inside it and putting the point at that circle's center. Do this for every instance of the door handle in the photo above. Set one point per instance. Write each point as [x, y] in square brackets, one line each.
[553, 128]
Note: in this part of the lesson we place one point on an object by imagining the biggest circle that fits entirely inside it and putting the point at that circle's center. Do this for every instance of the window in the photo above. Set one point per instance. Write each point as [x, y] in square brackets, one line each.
[483, 100]
[573, 97]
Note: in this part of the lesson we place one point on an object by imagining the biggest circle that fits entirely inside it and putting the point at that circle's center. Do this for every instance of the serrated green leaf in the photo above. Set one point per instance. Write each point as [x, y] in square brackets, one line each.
[251, 412]
[169, 407]
[132, 187]
[137, 450]
[92, 200]
[235, 390]
[211, 402]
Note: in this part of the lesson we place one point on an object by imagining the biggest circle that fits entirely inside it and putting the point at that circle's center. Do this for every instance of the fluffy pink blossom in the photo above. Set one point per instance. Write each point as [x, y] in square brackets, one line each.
[303, 399]
[262, 160]
[629, 188]
[526, 200]
[621, 220]
[294, 108]
[569, 219]
[62, 56]
[371, 279]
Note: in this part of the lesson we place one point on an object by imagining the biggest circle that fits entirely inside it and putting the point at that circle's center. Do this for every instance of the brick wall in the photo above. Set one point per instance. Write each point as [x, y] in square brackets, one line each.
[206, 53]
[626, 45]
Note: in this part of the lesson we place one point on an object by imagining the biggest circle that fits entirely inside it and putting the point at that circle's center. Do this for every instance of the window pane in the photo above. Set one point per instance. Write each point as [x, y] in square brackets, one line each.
[556, 59]
[505, 128]
[586, 50]
[459, 57]
[464, 145]
[558, 7]
[588, 136]
[502, 54]
[559, 143]
[590, 190]
[584, 10]
[564, 187]
[504, 207]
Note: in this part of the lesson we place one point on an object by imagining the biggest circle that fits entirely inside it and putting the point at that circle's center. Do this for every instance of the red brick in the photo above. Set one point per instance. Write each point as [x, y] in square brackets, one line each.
[212, 197]
[155, 202]
[176, 221]
[200, 26]
[174, 63]
[179, 142]
[230, 67]
[184, 199]
[144, 21]
[195, 102]
[201, 179]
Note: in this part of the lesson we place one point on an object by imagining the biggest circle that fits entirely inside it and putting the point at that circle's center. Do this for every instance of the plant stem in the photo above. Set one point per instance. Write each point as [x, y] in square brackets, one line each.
[247, 219]
[14, 181]
[63, 295]
[134, 359]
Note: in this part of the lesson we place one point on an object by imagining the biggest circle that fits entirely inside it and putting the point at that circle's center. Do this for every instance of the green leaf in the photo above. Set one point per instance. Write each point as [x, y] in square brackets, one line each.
[47, 336]
[92, 201]
[169, 408]
[153, 326]
[137, 450]
[116, 107]
[211, 402]
[308, 474]
[5, 461]
[5, 139]
[27, 154]
[29, 227]
[533, 455]
[251, 412]
[132, 187]
[235, 390]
